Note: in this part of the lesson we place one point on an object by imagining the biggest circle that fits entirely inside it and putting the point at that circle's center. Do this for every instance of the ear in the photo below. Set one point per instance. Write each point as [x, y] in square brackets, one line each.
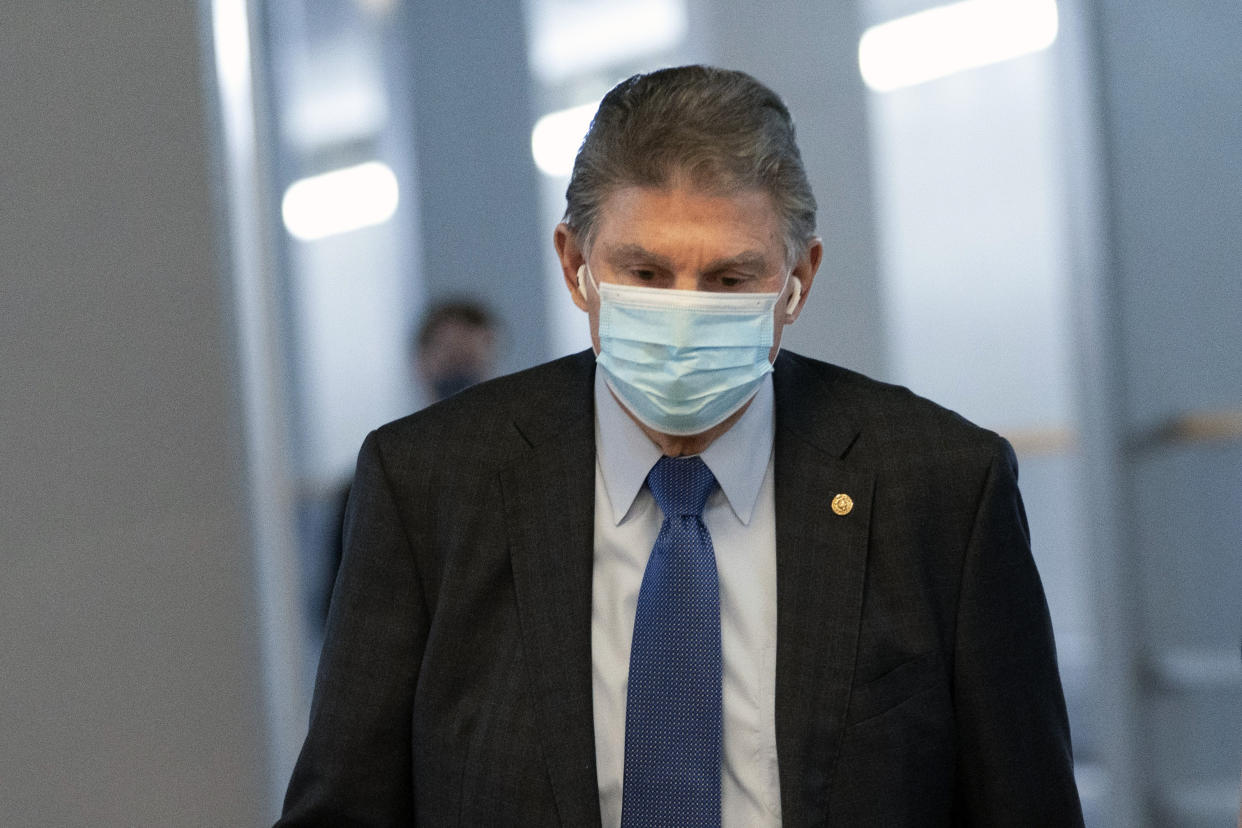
[572, 259]
[804, 272]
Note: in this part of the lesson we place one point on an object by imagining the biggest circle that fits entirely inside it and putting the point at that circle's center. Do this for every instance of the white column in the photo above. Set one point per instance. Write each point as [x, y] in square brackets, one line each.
[131, 680]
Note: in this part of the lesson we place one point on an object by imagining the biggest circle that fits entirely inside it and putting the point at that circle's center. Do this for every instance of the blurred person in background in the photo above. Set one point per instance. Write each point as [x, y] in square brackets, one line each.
[453, 347]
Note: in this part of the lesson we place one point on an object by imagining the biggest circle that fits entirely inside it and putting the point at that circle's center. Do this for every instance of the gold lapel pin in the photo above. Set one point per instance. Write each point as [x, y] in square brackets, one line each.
[842, 504]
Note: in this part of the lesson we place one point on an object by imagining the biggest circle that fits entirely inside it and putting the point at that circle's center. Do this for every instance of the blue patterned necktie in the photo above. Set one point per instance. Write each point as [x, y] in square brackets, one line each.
[673, 718]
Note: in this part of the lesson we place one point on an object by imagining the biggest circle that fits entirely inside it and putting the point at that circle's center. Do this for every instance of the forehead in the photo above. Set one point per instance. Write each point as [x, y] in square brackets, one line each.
[673, 219]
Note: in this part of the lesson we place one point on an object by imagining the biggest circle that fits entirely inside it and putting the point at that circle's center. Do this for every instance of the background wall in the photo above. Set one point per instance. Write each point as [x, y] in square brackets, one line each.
[130, 688]
[1163, 415]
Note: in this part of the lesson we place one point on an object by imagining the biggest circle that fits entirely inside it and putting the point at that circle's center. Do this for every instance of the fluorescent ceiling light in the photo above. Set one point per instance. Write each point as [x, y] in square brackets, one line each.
[574, 37]
[340, 201]
[336, 113]
[337, 98]
[950, 39]
[557, 136]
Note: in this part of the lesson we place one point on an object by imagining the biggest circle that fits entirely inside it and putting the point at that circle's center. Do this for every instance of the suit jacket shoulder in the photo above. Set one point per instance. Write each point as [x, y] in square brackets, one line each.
[489, 422]
[888, 428]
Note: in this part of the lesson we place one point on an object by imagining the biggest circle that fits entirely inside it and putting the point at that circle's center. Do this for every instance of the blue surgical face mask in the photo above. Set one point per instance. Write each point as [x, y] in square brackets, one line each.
[683, 361]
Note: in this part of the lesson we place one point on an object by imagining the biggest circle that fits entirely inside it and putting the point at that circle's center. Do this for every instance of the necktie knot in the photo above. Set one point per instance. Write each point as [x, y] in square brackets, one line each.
[681, 485]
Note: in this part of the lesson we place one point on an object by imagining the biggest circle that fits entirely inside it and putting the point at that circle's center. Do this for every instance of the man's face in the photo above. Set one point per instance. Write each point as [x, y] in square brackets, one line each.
[682, 238]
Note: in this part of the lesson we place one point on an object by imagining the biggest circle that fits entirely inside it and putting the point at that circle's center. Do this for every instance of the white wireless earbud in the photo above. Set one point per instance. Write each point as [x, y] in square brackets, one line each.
[793, 298]
[581, 284]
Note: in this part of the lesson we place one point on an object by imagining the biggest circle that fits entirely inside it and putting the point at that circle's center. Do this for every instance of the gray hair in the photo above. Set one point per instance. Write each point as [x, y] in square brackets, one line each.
[721, 129]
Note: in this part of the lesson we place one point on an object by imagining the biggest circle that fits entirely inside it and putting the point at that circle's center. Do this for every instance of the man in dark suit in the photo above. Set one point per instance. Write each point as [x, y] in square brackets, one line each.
[533, 623]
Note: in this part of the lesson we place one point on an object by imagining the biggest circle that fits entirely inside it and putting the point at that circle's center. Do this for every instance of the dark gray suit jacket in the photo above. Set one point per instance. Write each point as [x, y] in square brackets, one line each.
[916, 675]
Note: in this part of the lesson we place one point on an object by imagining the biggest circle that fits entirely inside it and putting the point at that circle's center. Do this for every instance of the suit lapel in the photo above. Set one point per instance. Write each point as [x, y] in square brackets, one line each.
[549, 495]
[820, 563]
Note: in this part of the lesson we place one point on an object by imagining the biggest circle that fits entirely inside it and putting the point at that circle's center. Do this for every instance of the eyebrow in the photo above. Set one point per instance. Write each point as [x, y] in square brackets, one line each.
[631, 252]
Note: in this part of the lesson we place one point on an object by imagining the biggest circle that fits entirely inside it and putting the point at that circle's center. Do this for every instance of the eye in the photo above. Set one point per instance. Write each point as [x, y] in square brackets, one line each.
[730, 280]
[643, 275]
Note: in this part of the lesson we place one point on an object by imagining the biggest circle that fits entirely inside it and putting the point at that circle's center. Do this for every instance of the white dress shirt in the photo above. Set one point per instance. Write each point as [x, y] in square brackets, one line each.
[741, 517]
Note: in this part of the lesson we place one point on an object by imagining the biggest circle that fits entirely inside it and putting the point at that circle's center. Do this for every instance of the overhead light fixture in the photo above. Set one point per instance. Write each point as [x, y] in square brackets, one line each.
[557, 136]
[340, 201]
[570, 38]
[949, 39]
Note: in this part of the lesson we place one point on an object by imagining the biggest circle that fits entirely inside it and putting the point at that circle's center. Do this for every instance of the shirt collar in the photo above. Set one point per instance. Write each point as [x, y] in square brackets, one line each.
[738, 458]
